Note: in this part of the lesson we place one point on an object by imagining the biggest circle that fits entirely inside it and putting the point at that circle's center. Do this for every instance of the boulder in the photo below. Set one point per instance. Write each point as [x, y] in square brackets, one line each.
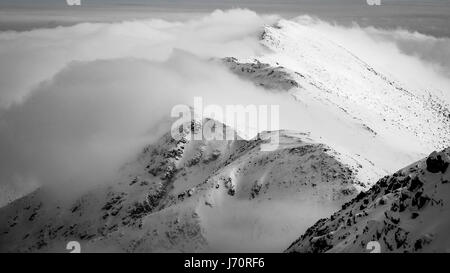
[437, 162]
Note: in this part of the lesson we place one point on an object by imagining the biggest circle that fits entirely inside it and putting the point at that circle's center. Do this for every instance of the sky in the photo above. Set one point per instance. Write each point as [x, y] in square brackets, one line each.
[430, 17]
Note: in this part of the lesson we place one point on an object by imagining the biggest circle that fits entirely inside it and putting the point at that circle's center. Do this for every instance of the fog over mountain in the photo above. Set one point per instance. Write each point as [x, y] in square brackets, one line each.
[86, 95]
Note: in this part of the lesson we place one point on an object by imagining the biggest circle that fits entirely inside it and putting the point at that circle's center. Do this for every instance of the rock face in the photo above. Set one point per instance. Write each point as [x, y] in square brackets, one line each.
[405, 212]
[191, 195]
[437, 162]
[263, 74]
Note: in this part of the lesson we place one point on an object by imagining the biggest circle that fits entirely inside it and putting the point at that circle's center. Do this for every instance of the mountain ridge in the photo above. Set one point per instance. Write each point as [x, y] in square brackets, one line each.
[403, 212]
[177, 193]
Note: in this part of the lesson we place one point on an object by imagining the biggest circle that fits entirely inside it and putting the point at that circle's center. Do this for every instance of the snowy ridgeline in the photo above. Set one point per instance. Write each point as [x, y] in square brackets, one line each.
[355, 124]
[313, 67]
[405, 212]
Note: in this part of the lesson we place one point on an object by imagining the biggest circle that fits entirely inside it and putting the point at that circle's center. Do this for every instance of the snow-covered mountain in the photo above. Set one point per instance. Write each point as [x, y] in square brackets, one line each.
[404, 212]
[355, 107]
[353, 124]
[192, 195]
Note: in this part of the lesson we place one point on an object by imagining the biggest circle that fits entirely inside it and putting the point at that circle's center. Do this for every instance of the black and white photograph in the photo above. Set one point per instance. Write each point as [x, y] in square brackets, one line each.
[225, 126]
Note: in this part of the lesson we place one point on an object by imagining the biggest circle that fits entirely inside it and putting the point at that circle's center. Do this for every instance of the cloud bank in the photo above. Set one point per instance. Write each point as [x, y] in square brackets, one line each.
[27, 58]
[78, 102]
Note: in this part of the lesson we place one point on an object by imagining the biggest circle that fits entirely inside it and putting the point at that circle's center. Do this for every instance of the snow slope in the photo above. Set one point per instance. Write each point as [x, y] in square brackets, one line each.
[355, 107]
[405, 212]
[367, 93]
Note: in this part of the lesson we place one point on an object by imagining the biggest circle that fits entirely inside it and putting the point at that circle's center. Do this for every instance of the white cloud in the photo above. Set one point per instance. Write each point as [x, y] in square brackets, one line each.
[27, 58]
[78, 128]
